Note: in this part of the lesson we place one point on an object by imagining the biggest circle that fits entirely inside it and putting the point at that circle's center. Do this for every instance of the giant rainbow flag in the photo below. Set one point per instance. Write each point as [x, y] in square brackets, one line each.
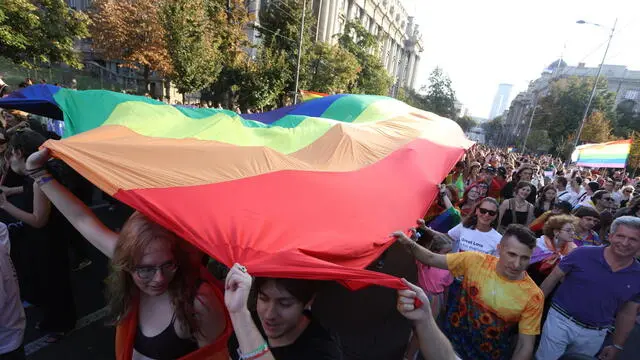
[612, 154]
[310, 191]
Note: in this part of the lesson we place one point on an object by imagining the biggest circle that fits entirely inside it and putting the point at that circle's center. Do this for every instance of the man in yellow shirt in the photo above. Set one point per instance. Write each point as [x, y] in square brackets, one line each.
[497, 298]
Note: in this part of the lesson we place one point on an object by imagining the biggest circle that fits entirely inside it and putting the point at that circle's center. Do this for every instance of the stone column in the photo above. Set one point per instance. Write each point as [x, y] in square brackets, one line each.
[331, 24]
[412, 59]
[323, 19]
[414, 72]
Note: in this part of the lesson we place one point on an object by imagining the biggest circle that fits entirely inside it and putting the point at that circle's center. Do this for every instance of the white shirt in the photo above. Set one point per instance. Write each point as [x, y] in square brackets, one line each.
[12, 319]
[467, 239]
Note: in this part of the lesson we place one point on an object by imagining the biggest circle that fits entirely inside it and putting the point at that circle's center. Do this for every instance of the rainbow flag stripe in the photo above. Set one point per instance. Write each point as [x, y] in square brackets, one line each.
[310, 95]
[612, 154]
[310, 191]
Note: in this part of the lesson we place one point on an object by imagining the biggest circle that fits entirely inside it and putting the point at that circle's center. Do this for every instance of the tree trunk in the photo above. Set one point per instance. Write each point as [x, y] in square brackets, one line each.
[146, 75]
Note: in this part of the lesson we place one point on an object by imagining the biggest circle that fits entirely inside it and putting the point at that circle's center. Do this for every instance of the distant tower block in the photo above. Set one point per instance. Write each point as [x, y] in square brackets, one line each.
[501, 101]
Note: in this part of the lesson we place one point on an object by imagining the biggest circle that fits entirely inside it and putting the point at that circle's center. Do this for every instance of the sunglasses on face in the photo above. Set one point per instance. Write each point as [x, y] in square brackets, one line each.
[484, 211]
[607, 199]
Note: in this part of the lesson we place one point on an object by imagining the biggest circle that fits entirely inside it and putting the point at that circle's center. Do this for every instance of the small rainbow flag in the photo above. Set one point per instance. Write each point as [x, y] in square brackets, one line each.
[309, 191]
[310, 95]
[612, 154]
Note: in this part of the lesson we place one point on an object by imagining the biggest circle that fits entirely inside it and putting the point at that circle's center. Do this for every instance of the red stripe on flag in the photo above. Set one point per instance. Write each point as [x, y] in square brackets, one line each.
[305, 224]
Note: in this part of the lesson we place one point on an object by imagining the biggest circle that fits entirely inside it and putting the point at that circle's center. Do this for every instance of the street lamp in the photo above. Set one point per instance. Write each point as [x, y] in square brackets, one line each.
[595, 83]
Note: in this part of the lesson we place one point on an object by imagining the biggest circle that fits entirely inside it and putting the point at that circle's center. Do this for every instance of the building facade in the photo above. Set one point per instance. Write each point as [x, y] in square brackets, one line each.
[398, 33]
[400, 41]
[500, 101]
[625, 83]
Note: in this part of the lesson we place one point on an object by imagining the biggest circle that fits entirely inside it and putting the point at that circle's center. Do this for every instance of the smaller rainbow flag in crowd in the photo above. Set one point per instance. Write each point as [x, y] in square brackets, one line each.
[310, 95]
[612, 154]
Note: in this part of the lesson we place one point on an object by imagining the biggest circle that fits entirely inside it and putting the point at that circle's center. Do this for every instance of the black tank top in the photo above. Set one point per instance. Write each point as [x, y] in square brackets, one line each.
[165, 346]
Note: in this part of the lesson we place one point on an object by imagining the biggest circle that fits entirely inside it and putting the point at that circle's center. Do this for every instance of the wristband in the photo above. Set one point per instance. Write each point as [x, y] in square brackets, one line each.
[618, 347]
[45, 179]
[255, 354]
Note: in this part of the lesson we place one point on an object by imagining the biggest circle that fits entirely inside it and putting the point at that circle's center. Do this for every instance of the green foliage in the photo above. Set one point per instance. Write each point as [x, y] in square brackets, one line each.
[560, 112]
[40, 31]
[280, 23]
[596, 129]
[262, 81]
[192, 50]
[538, 141]
[628, 120]
[332, 69]
[372, 76]
[440, 97]
[634, 152]
[410, 97]
[465, 122]
[493, 129]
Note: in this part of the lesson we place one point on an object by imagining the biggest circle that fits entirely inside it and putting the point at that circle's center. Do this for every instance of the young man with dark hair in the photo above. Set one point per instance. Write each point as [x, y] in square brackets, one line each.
[283, 310]
[497, 297]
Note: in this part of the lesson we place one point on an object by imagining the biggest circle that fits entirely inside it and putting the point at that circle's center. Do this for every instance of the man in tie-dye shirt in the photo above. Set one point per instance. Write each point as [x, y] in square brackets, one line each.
[496, 300]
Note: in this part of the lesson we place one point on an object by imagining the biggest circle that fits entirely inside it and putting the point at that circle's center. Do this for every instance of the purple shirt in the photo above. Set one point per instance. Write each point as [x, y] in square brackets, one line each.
[592, 293]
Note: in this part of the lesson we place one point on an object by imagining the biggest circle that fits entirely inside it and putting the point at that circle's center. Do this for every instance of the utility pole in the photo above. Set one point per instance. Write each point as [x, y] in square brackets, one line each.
[304, 11]
[595, 85]
[533, 113]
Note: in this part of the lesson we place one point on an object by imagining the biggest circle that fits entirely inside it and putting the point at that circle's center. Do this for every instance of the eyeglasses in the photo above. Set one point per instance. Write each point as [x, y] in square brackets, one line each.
[607, 198]
[146, 273]
[484, 211]
[628, 191]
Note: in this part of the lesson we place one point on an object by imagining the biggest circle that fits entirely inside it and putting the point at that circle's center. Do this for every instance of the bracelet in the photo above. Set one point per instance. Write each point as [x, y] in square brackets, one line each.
[45, 179]
[617, 347]
[255, 354]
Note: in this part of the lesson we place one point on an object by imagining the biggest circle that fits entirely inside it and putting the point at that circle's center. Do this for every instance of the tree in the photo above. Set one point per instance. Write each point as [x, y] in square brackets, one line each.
[231, 20]
[465, 122]
[538, 141]
[131, 31]
[596, 129]
[560, 111]
[628, 119]
[262, 81]
[440, 97]
[192, 48]
[332, 69]
[411, 97]
[372, 75]
[633, 160]
[279, 27]
[493, 129]
[40, 31]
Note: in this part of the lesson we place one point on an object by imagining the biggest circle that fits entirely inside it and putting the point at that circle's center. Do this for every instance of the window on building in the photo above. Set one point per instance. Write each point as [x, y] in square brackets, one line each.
[633, 94]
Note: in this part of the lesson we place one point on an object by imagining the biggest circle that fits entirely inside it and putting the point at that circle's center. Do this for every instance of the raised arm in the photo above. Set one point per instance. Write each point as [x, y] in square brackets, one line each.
[76, 212]
[420, 253]
[434, 345]
[236, 293]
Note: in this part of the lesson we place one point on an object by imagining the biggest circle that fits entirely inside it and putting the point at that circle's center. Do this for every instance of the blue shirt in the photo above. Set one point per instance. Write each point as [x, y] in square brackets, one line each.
[591, 292]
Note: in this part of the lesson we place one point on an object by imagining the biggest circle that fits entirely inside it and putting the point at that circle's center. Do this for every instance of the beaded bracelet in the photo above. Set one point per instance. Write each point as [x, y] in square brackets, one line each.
[45, 179]
[255, 354]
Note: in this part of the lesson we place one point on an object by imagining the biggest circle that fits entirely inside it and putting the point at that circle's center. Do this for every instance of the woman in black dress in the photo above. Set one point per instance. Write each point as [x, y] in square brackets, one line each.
[43, 240]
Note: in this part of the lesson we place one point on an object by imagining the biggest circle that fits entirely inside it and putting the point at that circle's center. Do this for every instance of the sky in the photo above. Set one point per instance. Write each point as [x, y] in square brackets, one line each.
[481, 44]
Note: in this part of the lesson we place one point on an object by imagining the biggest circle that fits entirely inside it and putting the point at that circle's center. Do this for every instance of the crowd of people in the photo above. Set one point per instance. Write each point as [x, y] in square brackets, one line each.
[519, 256]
